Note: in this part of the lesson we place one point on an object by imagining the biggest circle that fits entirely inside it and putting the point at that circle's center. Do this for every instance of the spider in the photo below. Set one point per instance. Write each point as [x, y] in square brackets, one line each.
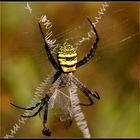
[65, 65]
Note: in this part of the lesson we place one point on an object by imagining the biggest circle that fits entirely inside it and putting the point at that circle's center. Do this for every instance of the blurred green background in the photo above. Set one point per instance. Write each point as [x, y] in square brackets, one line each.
[113, 72]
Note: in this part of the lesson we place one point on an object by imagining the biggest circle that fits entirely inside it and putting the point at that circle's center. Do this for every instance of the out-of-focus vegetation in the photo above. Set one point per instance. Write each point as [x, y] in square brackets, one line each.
[113, 72]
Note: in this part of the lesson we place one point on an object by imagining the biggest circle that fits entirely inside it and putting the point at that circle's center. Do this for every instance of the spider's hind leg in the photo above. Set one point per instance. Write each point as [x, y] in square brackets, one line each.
[94, 94]
[56, 76]
[30, 108]
[86, 91]
[40, 108]
[46, 130]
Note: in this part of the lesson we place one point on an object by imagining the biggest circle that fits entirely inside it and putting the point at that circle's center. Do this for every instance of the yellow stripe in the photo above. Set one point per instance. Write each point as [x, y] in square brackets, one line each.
[62, 62]
[67, 55]
[65, 69]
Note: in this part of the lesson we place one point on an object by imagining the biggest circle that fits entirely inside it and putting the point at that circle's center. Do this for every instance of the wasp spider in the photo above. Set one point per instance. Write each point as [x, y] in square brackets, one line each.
[65, 65]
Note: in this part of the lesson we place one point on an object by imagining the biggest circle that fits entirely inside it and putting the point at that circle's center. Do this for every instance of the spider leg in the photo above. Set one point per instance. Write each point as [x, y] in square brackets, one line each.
[56, 75]
[92, 50]
[30, 108]
[55, 85]
[46, 130]
[45, 113]
[35, 112]
[85, 91]
[91, 102]
[50, 57]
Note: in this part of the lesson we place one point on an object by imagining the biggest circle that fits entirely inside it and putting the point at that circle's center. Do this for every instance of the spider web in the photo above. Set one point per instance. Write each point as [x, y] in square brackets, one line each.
[105, 28]
[78, 32]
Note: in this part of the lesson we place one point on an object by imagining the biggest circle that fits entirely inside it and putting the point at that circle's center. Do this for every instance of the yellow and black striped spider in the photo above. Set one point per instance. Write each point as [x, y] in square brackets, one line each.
[65, 65]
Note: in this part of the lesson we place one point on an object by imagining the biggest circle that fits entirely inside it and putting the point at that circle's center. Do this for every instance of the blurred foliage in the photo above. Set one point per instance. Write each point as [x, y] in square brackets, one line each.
[114, 71]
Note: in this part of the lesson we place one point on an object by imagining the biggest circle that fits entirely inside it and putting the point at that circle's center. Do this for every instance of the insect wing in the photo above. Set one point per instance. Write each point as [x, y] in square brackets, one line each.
[60, 103]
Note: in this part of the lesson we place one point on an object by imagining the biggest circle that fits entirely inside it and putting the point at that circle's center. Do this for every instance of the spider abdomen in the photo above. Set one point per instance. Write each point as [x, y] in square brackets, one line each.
[67, 58]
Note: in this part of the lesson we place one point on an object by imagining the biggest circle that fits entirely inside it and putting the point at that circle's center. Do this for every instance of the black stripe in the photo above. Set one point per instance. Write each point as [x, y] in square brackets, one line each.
[67, 66]
[66, 57]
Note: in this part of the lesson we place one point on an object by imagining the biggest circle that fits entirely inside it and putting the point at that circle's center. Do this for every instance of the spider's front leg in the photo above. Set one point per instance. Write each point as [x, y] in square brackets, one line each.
[92, 50]
[50, 56]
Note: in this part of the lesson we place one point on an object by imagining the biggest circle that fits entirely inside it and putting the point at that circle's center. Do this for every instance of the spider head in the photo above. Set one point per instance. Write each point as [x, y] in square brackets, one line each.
[67, 57]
